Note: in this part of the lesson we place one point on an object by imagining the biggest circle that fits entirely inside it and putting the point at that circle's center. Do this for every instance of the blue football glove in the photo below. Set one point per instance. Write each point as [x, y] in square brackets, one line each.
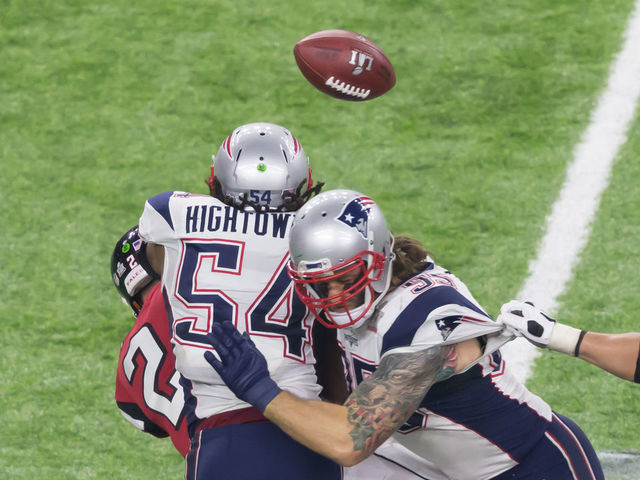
[242, 367]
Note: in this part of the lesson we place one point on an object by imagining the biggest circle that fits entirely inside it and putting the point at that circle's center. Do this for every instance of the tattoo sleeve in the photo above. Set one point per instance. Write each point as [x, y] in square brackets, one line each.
[385, 400]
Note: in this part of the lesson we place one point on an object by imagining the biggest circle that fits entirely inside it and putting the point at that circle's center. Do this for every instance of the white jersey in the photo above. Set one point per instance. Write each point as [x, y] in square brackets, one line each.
[393, 461]
[482, 414]
[226, 264]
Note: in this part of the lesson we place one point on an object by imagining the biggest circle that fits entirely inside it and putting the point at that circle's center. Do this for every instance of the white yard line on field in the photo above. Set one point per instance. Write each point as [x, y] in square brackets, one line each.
[568, 224]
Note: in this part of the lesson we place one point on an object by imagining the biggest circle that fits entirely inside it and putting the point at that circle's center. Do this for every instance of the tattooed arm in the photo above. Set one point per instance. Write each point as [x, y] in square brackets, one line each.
[351, 432]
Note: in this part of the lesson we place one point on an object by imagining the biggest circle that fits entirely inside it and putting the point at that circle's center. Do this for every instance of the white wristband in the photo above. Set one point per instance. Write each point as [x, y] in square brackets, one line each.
[564, 339]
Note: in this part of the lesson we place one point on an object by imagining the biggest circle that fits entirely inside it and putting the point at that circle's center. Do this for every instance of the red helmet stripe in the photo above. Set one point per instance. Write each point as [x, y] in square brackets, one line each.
[366, 201]
[226, 145]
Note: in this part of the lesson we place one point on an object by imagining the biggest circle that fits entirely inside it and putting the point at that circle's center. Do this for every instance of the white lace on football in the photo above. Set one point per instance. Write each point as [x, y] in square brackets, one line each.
[346, 88]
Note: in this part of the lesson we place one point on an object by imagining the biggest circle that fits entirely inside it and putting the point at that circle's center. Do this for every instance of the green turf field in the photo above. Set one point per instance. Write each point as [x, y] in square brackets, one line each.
[103, 104]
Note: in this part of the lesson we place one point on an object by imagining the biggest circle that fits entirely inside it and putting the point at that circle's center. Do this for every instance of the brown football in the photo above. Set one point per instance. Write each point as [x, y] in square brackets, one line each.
[345, 65]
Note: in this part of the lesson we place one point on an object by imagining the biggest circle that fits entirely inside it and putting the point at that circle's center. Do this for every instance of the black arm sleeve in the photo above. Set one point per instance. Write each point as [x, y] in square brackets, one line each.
[636, 377]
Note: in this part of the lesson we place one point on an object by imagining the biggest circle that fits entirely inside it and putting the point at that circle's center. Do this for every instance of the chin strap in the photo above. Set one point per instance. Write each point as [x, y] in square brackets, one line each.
[210, 179]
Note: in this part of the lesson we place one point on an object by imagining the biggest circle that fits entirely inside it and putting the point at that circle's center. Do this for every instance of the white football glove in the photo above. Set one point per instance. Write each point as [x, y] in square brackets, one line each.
[523, 319]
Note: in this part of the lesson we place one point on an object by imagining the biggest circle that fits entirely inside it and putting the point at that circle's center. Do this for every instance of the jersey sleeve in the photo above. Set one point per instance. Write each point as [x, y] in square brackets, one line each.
[439, 316]
[156, 222]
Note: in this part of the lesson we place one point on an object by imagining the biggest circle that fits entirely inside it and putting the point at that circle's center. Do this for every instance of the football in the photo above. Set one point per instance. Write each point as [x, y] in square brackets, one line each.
[344, 65]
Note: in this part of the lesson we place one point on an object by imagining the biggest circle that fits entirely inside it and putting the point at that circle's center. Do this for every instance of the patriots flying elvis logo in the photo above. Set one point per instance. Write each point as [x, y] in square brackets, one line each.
[447, 325]
[355, 214]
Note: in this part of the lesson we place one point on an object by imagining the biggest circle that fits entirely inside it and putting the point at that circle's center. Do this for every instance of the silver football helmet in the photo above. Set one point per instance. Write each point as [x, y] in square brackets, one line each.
[263, 161]
[341, 238]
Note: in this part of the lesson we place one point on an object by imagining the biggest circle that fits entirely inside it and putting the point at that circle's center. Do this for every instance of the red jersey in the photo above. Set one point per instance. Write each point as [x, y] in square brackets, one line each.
[148, 391]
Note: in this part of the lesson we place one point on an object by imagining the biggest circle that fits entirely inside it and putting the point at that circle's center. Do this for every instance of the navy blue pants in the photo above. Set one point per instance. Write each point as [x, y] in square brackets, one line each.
[254, 451]
[564, 453]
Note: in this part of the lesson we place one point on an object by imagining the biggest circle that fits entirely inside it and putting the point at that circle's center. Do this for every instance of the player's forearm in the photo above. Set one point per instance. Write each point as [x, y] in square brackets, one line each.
[321, 426]
[618, 354]
[615, 353]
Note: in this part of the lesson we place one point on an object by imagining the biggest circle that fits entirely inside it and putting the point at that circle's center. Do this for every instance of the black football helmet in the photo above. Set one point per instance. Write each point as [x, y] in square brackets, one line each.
[130, 269]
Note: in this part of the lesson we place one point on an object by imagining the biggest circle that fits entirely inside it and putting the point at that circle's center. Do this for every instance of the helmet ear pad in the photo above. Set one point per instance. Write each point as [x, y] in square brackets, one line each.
[261, 163]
